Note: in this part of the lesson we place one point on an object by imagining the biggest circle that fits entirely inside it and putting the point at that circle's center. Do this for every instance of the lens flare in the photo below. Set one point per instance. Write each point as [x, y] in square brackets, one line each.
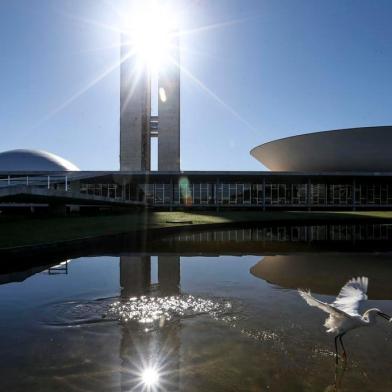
[162, 94]
[185, 190]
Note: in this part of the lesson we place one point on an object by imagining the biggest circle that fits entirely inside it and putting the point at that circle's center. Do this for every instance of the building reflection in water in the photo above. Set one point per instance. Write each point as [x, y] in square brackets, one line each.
[275, 239]
[143, 352]
[289, 233]
[60, 268]
[326, 273]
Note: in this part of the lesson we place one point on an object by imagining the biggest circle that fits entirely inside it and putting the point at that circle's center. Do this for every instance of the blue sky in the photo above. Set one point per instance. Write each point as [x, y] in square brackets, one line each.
[275, 68]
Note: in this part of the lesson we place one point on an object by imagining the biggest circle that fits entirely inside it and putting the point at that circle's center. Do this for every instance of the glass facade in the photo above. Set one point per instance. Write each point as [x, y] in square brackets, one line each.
[265, 194]
[220, 189]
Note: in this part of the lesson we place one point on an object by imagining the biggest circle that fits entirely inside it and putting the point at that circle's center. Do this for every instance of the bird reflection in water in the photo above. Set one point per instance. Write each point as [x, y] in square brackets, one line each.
[344, 313]
[338, 378]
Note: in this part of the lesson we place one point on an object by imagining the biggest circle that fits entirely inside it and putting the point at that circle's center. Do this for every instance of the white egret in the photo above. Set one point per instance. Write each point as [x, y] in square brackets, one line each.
[344, 311]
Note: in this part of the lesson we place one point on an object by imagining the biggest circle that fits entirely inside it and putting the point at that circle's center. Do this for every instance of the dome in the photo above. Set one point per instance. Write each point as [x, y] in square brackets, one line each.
[34, 160]
[365, 149]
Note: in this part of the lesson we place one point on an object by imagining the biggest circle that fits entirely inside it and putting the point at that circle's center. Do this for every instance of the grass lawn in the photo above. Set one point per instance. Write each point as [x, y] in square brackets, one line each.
[21, 231]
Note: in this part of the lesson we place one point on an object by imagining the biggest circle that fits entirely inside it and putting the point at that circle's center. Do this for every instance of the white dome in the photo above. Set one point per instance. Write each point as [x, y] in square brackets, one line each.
[34, 160]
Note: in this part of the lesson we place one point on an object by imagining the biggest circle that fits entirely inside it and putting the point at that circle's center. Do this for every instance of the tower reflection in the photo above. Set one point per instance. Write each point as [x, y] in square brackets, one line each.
[143, 349]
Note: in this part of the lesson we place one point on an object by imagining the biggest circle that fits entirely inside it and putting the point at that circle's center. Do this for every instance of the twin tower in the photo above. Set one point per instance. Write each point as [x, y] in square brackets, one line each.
[137, 125]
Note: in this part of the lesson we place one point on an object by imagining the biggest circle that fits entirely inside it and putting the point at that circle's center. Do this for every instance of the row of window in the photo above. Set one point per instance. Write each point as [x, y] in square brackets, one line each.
[237, 194]
[274, 194]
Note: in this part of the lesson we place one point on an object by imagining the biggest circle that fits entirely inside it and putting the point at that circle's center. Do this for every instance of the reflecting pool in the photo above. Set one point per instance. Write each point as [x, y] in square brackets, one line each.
[214, 310]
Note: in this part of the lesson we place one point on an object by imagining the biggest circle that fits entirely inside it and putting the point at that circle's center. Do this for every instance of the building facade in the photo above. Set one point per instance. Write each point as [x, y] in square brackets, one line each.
[258, 190]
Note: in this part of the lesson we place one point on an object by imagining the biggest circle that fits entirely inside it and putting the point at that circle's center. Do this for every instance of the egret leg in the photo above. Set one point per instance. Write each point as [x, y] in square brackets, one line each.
[344, 351]
[336, 349]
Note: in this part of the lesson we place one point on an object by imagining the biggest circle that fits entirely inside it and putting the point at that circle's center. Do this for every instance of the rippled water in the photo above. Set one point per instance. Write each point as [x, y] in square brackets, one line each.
[191, 319]
[157, 311]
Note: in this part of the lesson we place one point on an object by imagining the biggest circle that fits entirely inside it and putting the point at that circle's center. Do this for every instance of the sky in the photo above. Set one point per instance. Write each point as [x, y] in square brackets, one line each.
[254, 71]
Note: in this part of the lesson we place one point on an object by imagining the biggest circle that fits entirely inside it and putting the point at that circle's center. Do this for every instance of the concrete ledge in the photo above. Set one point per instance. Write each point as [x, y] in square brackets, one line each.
[30, 194]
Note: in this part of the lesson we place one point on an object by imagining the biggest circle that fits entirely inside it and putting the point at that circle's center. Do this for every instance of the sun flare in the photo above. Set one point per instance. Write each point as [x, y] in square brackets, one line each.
[151, 32]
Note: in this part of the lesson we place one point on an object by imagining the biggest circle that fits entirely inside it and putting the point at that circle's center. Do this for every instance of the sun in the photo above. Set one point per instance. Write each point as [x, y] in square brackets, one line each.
[152, 32]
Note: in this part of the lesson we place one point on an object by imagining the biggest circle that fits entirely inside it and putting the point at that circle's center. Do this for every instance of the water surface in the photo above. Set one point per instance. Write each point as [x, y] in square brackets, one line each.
[208, 311]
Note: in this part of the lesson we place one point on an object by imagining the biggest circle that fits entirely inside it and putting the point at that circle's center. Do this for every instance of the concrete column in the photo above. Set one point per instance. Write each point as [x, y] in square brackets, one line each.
[169, 112]
[75, 186]
[123, 185]
[172, 194]
[135, 112]
[216, 194]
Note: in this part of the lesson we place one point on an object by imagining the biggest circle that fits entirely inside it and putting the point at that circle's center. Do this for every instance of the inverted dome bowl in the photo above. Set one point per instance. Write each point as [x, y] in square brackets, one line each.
[355, 149]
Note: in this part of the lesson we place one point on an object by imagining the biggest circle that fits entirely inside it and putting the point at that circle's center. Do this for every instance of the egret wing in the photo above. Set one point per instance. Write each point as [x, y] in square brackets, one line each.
[330, 309]
[351, 295]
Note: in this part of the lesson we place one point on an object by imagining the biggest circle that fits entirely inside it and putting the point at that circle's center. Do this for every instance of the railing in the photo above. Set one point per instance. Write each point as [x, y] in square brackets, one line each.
[48, 182]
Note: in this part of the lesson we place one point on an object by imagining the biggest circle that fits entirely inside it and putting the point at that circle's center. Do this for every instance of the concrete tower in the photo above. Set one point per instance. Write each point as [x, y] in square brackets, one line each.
[136, 125]
[135, 107]
[169, 112]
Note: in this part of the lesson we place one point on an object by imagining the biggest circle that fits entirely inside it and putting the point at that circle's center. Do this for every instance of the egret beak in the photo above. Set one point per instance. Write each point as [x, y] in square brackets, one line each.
[383, 315]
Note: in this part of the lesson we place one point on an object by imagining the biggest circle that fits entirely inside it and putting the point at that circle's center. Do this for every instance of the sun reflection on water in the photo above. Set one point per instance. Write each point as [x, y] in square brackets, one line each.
[158, 310]
[150, 377]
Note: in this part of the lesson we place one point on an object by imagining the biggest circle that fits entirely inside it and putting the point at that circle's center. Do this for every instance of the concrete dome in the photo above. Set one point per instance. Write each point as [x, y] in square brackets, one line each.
[355, 149]
[34, 160]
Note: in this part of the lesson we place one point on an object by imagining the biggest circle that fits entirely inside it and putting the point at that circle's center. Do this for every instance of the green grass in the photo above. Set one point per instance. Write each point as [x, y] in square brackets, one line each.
[18, 231]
